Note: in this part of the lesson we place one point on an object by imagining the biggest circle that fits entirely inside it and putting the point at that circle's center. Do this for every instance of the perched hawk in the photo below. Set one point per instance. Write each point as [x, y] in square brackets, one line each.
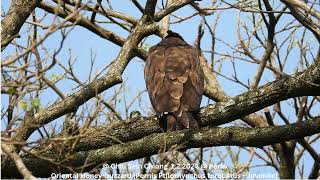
[174, 81]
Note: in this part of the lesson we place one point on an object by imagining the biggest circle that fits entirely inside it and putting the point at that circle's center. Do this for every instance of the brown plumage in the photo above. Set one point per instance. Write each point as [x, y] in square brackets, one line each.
[174, 81]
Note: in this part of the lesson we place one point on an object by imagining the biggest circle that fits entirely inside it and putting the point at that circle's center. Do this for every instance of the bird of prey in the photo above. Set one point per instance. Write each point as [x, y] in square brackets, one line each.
[175, 82]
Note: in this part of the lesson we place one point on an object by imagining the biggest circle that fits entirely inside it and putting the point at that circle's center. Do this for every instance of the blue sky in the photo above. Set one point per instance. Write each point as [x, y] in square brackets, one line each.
[84, 43]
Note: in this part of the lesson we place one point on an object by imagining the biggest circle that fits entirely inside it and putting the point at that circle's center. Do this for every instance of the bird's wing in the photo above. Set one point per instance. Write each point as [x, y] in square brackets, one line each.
[194, 86]
[154, 72]
[174, 78]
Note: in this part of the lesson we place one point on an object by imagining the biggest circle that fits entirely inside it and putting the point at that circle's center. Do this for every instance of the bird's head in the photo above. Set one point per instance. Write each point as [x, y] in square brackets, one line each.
[173, 34]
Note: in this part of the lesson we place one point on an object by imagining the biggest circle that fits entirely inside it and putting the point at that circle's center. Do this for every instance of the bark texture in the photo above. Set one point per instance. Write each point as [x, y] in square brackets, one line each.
[11, 24]
[159, 142]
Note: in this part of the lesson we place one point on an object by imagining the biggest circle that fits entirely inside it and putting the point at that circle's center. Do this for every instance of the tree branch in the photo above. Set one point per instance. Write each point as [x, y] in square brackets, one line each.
[86, 23]
[212, 115]
[305, 7]
[17, 160]
[155, 143]
[306, 83]
[18, 13]
[303, 18]
[113, 77]
[269, 46]
[174, 6]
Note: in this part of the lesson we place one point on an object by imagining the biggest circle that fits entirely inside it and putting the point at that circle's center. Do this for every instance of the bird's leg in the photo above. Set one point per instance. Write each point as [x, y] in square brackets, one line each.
[171, 122]
[193, 123]
[186, 121]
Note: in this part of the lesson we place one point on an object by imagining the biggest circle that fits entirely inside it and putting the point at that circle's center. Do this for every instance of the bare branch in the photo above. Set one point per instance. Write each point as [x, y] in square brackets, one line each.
[113, 77]
[303, 18]
[211, 115]
[26, 174]
[18, 13]
[174, 6]
[239, 136]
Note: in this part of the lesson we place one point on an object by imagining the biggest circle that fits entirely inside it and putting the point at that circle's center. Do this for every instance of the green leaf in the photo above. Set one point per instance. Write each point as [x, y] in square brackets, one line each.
[12, 90]
[146, 47]
[40, 109]
[54, 77]
[23, 105]
[35, 103]
[296, 72]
